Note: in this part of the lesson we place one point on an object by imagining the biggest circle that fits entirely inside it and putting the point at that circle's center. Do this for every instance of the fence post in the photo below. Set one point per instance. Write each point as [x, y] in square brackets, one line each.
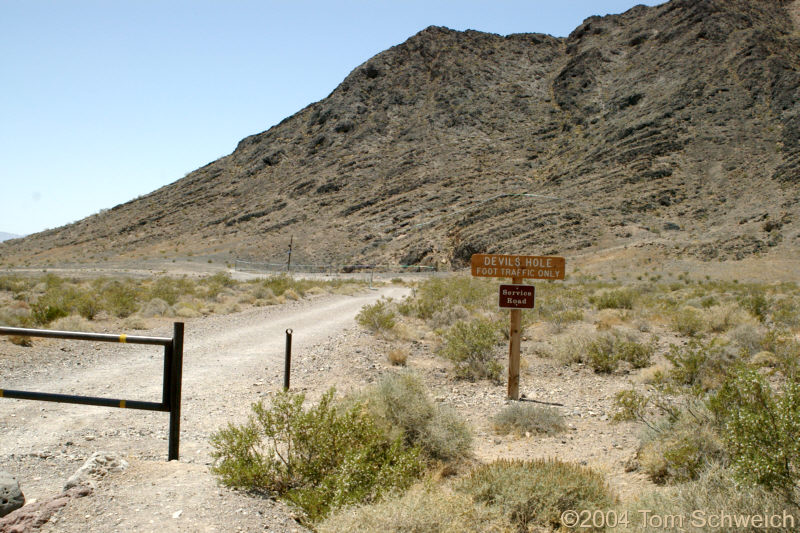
[176, 371]
[288, 363]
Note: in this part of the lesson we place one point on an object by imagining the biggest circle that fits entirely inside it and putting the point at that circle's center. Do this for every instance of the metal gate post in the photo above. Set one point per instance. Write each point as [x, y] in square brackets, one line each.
[176, 371]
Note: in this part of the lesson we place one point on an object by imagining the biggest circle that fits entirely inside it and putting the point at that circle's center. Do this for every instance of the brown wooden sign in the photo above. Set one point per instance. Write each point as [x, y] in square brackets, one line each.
[518, 266]
[516, 296]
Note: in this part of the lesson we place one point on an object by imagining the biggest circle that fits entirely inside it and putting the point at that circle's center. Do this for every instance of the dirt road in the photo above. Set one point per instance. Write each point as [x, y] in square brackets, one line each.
[230, 361]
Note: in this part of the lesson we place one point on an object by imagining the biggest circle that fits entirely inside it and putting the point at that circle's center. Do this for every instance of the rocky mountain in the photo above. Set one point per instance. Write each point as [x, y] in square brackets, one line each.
[6, 236]
[675, 127]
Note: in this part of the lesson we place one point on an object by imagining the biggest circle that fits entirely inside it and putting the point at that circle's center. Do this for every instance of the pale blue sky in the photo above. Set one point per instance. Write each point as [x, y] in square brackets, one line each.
[102, 101]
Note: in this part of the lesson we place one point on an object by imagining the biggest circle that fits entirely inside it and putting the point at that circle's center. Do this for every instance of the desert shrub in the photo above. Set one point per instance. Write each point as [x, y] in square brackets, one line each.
[681, 449]
[319, 459]
[614, 299]
[186, 310]
[646, 408]
[438, 294]
[378, 317]
[756, 303]
[700, 365]
[749, 337]
[714, 490]
[560, 319]
[521, 418]
[721, 318]
[688, 321]
[397, 356]
[637, 354]
[603, 352]
[16, 315]
[21, 340]
[761, 430]
[402, 402]
[470, 346]
[535, 493]
[72, 323]
[170, 289]
[421, 509]
[785, 348]
[448, 316]
[572, 348]
[278, 284]
[786, 313]
[600, 353]
[15, 284]
[119, 297]
[155, 307]
[59, 300]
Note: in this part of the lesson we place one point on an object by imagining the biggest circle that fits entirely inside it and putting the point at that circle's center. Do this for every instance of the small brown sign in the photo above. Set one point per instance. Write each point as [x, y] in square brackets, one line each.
[518, 266]
[516, 296]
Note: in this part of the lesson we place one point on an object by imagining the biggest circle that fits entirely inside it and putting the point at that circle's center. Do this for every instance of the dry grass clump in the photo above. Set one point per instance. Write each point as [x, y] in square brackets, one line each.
[749, 337]
[569, 349]
[535, 493]
[522, 418]
[155, 308]
[680, 451]
[397, 356]
[724, 317]
[714, 491]
[72, 323]
[422, 509]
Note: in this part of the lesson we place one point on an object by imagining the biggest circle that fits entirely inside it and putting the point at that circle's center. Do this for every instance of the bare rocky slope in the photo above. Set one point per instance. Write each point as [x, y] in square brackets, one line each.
[675, 127]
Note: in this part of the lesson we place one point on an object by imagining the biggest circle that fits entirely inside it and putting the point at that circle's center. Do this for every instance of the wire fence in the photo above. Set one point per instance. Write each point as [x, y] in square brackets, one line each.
[331, 269]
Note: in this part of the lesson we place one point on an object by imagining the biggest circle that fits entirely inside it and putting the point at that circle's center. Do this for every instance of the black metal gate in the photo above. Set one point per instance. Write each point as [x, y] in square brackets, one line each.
[173, 369]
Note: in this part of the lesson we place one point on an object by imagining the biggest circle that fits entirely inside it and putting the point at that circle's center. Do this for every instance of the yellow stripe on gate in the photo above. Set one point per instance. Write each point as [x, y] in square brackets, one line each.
[122, 403]
[123, 338]
[1, 393]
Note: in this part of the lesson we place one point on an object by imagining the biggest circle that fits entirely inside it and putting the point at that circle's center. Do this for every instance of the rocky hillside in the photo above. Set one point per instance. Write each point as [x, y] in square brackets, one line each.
[675, 127]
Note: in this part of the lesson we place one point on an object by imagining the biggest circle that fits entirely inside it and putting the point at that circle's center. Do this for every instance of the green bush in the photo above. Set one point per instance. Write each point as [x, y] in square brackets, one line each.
[120, 298]
[605, 351]
[535, 493]
[601, 355]
[761, 430]
[521, 418]
[401, 401]
[59, 300]
[699, 365]
[756, 303]
[688, 321]
[439, 294]
[319, 459]
[470, 346]
[614, 299]
[378, 317]
[171, 289]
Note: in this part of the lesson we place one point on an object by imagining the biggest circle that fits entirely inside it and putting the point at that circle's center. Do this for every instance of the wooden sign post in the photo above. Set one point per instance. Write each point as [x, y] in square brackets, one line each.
[516, 267]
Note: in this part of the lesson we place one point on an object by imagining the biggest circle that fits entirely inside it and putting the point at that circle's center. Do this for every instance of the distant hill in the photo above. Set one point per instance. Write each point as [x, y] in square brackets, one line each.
[6, 236]
[674, 127]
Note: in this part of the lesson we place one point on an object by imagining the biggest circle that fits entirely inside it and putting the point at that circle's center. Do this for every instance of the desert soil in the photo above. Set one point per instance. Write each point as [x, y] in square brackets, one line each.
[230, 362]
